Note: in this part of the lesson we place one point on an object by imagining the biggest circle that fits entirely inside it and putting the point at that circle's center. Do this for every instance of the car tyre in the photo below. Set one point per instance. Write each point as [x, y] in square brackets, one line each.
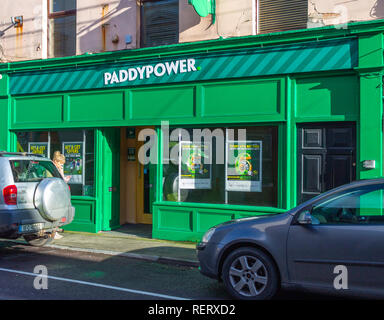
[250, 274]
[37, 241]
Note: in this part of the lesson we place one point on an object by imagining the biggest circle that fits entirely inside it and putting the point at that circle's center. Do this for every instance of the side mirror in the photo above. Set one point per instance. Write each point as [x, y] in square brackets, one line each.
[306, 218]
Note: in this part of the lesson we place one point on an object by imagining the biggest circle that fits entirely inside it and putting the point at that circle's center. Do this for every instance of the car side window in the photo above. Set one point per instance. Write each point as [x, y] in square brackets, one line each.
[33, 171]
[358, 206]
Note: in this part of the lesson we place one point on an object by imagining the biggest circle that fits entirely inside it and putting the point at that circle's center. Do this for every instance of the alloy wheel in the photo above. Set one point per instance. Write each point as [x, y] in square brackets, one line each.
[248, 276]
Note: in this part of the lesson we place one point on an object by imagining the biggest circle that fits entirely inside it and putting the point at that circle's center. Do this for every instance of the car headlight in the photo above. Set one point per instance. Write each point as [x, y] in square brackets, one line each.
[208, 235]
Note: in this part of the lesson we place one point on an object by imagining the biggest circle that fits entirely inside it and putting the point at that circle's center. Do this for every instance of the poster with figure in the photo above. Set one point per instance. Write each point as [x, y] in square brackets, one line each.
[74, 161]
[244, 166]
[195, 165]
[40, 148]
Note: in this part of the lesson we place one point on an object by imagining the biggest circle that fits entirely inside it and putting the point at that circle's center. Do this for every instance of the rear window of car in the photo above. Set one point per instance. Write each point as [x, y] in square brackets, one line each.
[33, 171]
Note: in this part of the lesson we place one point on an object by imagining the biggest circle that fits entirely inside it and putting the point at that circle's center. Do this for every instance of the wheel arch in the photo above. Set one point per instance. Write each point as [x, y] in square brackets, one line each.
[244, 244]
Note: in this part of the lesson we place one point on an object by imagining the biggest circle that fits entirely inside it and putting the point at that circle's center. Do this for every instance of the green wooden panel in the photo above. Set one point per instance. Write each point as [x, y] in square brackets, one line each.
[162, 103]
[96, 106]
[327, 97]
[242, 98]
[189, 221]
[109, 179]
[4, 84]
[174, 219]
[370, 52]
[84, 216]
[370, 130]
[207, 219]
[47, 109]
[4, 133]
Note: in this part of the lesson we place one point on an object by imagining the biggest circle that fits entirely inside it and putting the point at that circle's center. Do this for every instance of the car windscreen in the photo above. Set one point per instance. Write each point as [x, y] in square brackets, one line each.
[33, 170]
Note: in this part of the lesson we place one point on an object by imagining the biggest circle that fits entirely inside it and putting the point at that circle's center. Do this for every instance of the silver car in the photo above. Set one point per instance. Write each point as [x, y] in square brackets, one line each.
[332, 243]
[34, 201]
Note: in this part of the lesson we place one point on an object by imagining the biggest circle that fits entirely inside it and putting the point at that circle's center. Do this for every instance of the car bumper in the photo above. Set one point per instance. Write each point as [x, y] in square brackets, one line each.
[208, 255]
[11, 220]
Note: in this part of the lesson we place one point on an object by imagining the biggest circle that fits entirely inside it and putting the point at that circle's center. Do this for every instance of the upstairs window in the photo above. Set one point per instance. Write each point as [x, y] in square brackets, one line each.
[159, 22]
[281, 15]
[62, 28]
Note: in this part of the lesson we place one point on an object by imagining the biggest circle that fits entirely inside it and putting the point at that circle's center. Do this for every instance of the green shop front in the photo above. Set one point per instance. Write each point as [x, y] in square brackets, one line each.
[279, 118]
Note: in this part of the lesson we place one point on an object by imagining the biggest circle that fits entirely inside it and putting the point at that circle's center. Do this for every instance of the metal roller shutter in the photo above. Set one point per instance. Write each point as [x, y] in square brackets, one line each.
[282, 15]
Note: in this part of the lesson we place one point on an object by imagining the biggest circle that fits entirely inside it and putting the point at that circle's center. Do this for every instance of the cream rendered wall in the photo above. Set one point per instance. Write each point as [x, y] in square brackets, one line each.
[329, 12]
[102, 25]
[21, 43]
[233, 19]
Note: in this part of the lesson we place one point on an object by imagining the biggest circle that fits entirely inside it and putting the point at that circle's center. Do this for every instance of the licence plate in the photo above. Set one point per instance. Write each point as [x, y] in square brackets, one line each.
[31, 227]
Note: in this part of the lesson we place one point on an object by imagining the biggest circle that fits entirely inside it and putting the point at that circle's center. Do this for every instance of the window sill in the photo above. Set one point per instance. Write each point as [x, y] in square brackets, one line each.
[220, 206]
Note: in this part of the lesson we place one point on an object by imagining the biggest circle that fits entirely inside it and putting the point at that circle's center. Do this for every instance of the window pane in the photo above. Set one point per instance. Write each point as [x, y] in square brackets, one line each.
[33, 171]
[61, 5]
[200, 163]
[363, 206]
[267, 196]
[62, 39]
[27, 139]
[76, 145]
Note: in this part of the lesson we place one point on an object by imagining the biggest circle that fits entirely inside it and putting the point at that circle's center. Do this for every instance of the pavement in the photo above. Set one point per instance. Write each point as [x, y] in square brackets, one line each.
[132, 241]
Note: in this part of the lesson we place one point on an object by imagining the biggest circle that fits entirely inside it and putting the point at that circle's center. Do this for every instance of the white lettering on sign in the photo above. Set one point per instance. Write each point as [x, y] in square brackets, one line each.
[159, 70]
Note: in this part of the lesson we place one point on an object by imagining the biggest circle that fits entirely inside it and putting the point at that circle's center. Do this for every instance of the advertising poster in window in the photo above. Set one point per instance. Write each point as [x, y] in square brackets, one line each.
[74, 161]
[243, 169]
[40, 148]
[195, 165]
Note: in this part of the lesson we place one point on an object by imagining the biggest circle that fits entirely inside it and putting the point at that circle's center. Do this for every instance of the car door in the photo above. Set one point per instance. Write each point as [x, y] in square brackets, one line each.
[350, 233]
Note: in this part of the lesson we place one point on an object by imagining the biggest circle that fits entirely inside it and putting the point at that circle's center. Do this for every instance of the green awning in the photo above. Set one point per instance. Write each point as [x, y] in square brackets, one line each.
[204, 8]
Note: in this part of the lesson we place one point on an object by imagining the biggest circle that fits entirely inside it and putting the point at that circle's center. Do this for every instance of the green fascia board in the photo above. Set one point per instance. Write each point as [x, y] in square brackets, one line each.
[328, 55]
[270, 39]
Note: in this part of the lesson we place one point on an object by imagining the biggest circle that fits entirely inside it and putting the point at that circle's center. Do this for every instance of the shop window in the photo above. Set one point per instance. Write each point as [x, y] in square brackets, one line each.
[78, 149]
[62, 27]
[159, 22]
[222, 165]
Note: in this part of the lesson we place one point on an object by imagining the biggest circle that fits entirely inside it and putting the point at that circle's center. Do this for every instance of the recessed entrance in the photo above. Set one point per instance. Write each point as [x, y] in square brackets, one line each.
[138, 179]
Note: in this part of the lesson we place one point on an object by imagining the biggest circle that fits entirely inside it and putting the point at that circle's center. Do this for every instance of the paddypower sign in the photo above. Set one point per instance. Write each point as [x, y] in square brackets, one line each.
[148, 71]
[339, 54]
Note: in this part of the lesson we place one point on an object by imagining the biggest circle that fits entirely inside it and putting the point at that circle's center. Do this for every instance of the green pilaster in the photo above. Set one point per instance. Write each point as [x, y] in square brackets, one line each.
[370, 131]
[4, 112]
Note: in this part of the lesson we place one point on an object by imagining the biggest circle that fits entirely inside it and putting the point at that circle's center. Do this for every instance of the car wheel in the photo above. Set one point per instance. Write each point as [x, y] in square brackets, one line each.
[250, 274]
[37, 242]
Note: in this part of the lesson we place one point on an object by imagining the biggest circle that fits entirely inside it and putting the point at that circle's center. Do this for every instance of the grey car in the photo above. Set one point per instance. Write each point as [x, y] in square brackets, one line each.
[34, 200]
[332, 243]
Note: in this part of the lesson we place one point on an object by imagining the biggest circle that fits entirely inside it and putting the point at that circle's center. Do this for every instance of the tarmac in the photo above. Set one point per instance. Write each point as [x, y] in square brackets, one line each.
[132, 241]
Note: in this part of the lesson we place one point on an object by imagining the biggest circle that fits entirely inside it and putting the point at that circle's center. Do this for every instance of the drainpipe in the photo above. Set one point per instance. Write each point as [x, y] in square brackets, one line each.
[255, 17]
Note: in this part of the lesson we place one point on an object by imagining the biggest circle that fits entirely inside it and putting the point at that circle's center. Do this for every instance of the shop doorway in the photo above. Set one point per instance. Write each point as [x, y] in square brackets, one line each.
[138, 179]
[326, 157]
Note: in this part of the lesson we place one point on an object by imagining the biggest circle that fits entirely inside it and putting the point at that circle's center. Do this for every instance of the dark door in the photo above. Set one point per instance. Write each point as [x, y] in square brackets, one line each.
[326, 157]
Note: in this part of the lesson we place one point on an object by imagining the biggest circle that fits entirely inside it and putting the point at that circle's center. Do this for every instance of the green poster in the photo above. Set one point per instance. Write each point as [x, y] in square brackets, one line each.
[195, 165]
[74, 161]
[244, 168]
[40, 148]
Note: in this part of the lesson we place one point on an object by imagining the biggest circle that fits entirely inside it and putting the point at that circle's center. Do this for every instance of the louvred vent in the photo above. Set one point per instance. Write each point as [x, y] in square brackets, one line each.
[282, 15]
